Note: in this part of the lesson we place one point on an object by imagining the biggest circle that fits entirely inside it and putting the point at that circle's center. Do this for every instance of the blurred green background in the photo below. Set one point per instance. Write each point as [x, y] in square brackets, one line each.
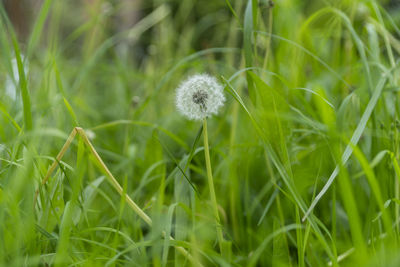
[310, 85]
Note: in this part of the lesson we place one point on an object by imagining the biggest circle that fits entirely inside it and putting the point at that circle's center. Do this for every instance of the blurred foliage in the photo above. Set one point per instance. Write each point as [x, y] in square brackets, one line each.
[300, 78]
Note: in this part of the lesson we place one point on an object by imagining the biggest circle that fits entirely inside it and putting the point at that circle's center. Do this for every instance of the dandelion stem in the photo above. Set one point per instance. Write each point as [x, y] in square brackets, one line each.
[211, 186]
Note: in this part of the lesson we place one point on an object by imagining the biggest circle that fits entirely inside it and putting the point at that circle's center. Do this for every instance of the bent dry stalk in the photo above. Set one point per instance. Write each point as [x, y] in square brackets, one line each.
[113, 181]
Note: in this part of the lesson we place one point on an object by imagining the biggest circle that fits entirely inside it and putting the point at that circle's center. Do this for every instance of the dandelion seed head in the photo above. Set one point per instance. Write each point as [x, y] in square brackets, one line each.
[199, 97]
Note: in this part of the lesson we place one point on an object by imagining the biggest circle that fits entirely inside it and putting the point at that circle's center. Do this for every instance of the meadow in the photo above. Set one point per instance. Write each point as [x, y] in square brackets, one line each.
[298, 167]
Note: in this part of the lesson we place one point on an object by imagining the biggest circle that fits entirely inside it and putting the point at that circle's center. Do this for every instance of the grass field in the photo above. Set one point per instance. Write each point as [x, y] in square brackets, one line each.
[303, 157]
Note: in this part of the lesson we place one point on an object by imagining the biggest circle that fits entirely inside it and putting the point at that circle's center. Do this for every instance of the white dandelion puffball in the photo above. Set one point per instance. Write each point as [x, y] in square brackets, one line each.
[199, 97]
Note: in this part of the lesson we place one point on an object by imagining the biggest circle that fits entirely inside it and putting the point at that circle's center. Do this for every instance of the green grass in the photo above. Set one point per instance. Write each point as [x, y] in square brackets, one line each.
[303, 157]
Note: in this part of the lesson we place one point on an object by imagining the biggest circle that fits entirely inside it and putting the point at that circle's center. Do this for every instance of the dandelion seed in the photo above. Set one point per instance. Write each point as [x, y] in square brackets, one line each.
[199, 97]
[90, 134]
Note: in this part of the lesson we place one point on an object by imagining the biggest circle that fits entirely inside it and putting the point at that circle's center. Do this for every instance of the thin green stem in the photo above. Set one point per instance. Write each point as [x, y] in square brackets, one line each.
[211, 186]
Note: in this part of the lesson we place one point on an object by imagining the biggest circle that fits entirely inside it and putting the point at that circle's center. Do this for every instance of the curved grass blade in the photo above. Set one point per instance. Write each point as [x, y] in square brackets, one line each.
[26, 100]
[353, 141]
[38, 27]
